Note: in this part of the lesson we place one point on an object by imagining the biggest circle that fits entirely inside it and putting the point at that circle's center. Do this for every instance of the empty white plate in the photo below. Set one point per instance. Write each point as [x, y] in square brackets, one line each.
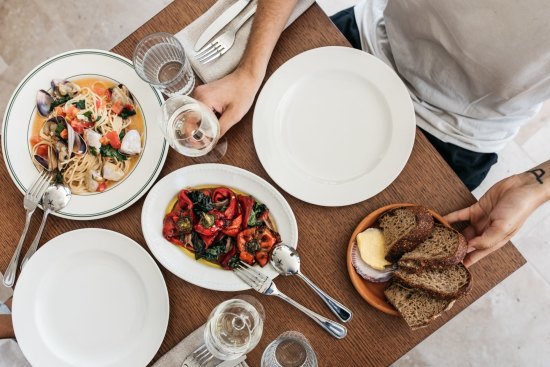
[90, 297]
[334, 126]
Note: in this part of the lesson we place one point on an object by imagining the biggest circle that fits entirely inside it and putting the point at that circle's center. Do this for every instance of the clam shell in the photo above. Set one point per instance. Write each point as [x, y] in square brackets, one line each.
[43, 102]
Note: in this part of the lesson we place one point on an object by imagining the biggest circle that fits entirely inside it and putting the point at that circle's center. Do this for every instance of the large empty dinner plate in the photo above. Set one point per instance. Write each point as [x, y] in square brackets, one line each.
[334, 126]
[90, 297]
[182, 262]
[77, 65]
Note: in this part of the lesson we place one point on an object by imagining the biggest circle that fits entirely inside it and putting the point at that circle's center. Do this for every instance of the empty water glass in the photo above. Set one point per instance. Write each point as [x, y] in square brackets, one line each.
[290, 349]
[160, 60]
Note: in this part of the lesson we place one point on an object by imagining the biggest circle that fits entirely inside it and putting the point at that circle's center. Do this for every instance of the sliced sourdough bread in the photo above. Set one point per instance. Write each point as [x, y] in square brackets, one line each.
[404, 228]
[417, 308]
[444, 247]
[449, 283]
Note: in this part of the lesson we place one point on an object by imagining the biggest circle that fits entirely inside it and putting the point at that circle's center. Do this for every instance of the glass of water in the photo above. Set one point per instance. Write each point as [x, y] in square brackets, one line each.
[192, 129]
[290, 349]
[234, 327]
[160, 60]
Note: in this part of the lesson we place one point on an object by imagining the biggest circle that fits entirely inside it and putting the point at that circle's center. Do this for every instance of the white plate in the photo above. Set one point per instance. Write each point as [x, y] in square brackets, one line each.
[185, 266]
[90, 297]
[21, 110]
[334, 126]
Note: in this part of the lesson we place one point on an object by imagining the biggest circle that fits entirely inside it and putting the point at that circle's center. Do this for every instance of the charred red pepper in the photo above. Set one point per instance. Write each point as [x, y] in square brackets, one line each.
[224, 260]
[210, 223]
[208, 240]
[169, 228]
[183, 200]
[266, 238]
[262, 257]
[234, 227]
[247, 204]
[221, 194]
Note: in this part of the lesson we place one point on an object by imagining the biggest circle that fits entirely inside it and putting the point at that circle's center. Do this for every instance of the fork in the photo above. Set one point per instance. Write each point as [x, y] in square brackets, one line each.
[198, 358]
[224, 42]
[263, 284]
[30, 202]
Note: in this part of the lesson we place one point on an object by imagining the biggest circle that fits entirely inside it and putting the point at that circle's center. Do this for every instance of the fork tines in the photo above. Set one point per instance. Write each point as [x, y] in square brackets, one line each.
[253, 277]
[210, 52]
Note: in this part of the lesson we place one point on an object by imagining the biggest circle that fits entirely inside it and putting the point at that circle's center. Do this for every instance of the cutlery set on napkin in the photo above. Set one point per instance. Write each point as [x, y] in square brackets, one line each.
[210, 32]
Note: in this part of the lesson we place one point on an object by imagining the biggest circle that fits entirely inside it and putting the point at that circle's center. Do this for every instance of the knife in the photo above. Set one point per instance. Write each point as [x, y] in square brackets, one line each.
[227, 16]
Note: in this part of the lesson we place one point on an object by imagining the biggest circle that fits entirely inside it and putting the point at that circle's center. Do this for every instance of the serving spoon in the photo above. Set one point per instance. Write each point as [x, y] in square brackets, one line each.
[55, 198]
[286, 261]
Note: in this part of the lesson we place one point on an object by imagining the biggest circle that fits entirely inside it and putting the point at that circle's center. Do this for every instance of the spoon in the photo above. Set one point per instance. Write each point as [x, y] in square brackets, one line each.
[286, 261]
[55, 198]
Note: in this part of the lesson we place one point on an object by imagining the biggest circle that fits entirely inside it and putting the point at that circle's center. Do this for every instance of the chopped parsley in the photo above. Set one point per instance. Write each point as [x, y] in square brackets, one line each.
[110, 152]
[59, 129]
[127, 112]
[88, 115]
[80, 104]
[93, 150]
[59, 101]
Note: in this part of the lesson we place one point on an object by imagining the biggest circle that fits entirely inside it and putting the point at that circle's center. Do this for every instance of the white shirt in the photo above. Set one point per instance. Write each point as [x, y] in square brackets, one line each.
[476, 70]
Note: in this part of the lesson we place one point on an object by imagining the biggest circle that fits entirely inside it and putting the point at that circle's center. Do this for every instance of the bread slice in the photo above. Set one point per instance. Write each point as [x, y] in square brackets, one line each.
[404, 228]
[417, 307]
[444, 247]
[446, 283]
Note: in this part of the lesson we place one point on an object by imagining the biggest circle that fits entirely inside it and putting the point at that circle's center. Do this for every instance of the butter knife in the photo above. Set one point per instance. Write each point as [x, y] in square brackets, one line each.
[217, 25]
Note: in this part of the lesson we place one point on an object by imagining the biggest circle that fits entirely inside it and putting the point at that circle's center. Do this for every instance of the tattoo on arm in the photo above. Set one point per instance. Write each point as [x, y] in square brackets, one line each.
[539, 172]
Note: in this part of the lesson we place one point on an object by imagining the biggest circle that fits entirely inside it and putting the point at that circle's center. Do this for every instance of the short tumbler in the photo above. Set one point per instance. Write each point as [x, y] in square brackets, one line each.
[160, 60]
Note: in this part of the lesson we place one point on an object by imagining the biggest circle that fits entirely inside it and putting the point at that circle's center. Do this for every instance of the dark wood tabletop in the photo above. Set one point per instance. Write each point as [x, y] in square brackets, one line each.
[374, 338]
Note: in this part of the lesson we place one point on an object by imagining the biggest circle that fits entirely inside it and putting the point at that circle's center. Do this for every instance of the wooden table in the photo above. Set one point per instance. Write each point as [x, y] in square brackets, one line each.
[374, 339]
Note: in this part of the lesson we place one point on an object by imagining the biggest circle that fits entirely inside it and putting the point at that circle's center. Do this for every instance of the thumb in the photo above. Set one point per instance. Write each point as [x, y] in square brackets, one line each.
[461, 215]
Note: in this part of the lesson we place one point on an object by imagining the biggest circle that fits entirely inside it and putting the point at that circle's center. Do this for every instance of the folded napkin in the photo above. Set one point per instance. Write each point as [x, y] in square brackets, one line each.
[228, 62]
[176, 355]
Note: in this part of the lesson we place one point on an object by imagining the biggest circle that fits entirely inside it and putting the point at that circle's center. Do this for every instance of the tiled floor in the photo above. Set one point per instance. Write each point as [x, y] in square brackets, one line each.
[506, 327]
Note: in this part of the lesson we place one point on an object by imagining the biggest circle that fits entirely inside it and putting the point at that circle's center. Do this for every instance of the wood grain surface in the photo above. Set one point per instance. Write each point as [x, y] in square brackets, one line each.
[374, 338]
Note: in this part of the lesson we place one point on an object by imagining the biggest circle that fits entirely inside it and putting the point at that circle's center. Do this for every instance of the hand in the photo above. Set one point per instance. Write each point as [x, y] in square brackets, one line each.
[498, 215]
[231, 96]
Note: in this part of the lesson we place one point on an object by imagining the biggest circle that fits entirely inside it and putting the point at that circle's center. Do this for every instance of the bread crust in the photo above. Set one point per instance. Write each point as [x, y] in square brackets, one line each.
[425, 224]
[417, 265]
[397, 277]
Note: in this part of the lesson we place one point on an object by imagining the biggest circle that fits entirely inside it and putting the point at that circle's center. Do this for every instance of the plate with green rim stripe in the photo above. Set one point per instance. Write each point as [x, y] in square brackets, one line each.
[73, 65]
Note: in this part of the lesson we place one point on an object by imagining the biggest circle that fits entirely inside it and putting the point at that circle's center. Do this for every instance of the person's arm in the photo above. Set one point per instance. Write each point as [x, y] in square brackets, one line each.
[232, 96]
[502, 211]
[6, 325]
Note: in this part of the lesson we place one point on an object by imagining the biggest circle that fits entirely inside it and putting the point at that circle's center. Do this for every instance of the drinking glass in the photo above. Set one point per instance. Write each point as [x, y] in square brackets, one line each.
[192, 129]
[160, 60]
[290, 349]
[234, 327]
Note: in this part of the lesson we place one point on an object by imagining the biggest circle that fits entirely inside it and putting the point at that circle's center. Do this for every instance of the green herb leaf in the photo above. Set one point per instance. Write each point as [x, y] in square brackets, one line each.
[88, 115]
[110, 152]
[185, 225]
[201, 203]
[233, 262]
[198, 245]
[59, 101]
[58, 179]
[80, 104]
[121, 135]
[257, 210]
[126, 112]
[59, 129]
[93, 150]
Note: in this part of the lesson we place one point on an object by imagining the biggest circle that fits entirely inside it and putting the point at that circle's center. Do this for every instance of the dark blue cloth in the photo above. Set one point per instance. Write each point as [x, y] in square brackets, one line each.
[471, 167]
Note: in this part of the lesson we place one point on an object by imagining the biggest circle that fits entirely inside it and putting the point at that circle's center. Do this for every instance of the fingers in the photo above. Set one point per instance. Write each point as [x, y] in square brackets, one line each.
[494, 234]
[474, 256]
[228, 118]
[461, 215]
[469, 232]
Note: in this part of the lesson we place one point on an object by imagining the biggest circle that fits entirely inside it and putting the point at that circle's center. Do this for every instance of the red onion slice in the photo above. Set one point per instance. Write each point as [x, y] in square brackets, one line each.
[366, 271]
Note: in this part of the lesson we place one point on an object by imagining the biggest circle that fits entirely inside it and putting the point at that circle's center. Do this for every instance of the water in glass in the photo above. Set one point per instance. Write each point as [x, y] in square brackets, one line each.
[160, 60]
[233, 329]
[290, 349]
[189, 126]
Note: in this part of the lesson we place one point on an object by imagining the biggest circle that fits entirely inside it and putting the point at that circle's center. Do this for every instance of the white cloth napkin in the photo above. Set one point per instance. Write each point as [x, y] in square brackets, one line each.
[176, 355]
[228, 62]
